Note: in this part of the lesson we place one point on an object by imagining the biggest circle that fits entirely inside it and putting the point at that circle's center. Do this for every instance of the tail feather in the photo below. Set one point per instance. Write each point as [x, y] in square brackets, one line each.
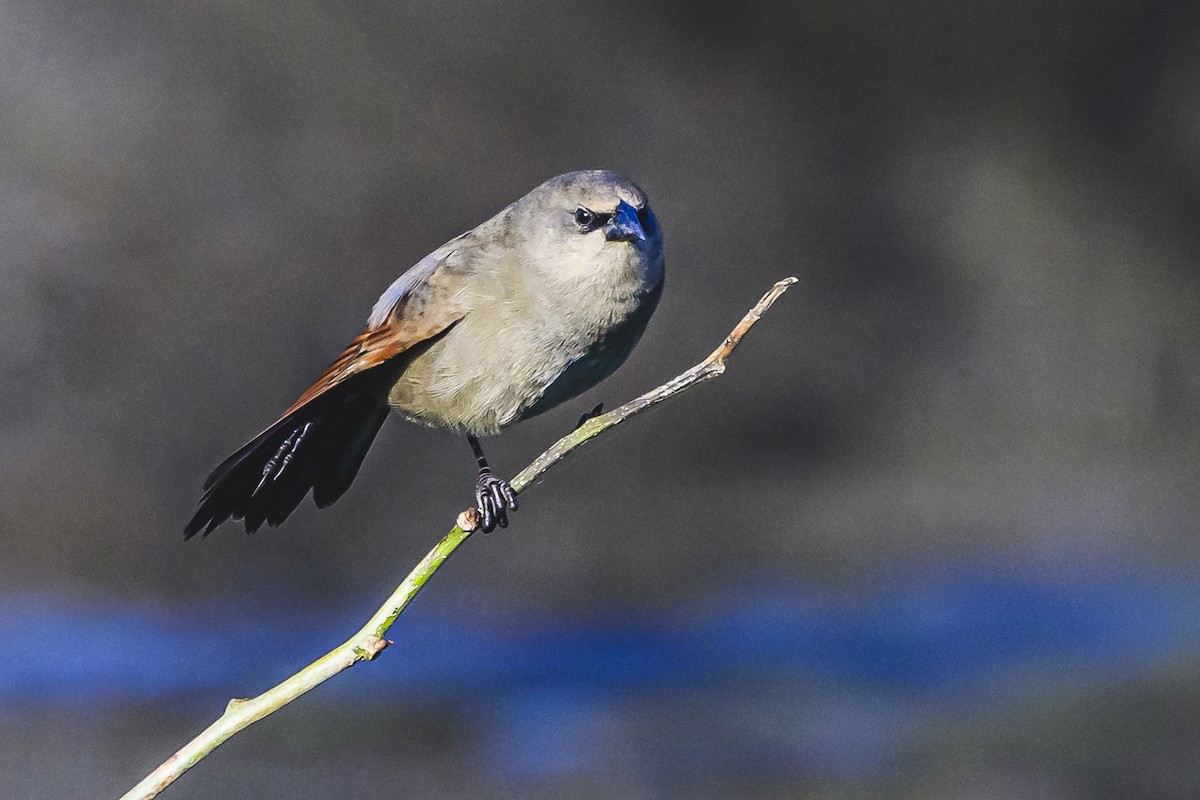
[318, 446]
[285, 490]
[356, 431]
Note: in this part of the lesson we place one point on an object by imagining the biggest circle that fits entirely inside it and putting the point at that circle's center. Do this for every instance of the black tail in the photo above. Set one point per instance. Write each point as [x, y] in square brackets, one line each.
[319, 446]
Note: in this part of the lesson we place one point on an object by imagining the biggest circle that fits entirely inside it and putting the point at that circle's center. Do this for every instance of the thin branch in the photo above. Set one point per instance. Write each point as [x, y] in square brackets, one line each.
[369, 641]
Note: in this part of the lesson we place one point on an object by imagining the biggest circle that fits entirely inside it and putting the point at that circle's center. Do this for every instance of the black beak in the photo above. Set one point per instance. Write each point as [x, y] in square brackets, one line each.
[624, 225]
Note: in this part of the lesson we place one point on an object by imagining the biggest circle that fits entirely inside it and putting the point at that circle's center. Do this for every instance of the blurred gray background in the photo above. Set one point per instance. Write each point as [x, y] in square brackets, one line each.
[933, 535]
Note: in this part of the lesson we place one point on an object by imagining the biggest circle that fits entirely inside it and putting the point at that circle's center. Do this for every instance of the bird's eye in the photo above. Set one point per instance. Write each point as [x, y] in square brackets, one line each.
[585, 218]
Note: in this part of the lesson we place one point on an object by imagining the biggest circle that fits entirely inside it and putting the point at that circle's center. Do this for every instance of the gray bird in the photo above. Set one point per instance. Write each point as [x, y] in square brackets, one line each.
[524, 312]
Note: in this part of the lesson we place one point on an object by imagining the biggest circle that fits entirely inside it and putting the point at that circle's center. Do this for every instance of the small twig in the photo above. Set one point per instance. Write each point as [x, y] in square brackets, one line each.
[369, 641]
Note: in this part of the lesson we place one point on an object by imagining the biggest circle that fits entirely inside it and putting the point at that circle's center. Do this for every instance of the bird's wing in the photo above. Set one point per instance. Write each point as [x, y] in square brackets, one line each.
[320, 441]
[422, 303]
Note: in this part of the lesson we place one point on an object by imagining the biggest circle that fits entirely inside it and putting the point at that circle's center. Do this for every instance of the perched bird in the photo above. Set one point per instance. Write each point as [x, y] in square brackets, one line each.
[530, 309]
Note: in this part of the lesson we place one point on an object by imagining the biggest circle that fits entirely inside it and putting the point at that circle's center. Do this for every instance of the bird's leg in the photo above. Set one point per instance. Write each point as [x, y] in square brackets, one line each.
[494, 497]
[595, 412]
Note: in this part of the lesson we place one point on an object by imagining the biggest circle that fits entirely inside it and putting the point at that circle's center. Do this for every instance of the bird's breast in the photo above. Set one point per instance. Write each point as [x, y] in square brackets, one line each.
[513, 358]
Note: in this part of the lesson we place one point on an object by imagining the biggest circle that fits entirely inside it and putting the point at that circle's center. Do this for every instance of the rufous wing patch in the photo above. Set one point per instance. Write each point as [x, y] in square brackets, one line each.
[425, 311]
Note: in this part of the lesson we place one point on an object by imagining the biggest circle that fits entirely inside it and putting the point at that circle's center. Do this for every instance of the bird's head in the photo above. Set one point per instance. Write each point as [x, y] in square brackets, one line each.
[590, 222]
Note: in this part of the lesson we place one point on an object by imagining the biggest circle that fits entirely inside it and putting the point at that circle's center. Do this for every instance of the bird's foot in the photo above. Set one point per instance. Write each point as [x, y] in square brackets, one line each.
[494, 498]
[595, 412]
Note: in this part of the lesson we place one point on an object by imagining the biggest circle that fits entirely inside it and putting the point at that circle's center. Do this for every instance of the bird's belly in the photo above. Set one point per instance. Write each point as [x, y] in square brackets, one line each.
[479, 378]
[471, 382]
[596, 363]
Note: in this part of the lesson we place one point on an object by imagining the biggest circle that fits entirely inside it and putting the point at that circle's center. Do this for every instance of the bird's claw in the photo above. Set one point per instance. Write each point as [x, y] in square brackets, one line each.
[494, 498]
